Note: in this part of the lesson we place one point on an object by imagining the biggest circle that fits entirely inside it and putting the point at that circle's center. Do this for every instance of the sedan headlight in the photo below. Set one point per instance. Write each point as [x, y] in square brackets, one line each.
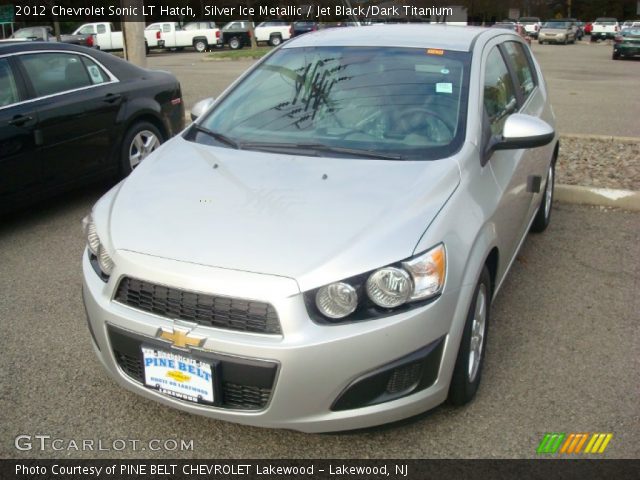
[379, 292]
[389, 287]
[100, 259]
[337, 300]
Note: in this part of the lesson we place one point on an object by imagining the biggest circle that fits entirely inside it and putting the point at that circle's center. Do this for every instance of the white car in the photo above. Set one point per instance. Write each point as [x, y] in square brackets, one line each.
[319, 250]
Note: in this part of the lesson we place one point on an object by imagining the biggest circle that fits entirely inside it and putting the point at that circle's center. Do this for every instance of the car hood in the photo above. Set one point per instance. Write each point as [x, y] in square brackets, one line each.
[313, 219]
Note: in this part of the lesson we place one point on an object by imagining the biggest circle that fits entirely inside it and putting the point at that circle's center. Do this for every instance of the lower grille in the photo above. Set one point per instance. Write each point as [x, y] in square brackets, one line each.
[243, 384]
[132, 366]
[244, 396]
[207, 310]
[404, 378]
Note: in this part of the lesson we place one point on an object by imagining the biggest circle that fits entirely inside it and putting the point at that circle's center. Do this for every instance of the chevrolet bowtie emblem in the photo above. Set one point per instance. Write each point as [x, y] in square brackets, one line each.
[180, 337]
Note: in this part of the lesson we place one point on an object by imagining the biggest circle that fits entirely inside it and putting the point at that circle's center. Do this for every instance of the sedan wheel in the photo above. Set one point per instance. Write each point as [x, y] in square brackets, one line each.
[141, 139]
[543, 217]
[468, 369]
[478, 328]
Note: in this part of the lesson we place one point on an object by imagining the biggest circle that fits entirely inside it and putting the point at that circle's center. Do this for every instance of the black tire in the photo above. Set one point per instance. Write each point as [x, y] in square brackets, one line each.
[543, 217]
[592, 39]
[466, 379]
[540, 42]
[235, 43]
[275, 40]
[127, 147]
[615, 55]
[200, 45]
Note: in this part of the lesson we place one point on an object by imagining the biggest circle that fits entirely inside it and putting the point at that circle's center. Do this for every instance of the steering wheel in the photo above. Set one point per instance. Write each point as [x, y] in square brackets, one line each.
[423, 121]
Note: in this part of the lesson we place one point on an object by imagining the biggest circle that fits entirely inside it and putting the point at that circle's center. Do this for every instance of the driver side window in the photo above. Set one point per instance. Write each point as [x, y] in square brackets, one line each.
[499, 93]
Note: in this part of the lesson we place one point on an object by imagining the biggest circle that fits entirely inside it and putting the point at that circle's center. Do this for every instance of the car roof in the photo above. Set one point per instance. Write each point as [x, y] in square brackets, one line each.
[446, 37]
[13, 47]
[117, 66]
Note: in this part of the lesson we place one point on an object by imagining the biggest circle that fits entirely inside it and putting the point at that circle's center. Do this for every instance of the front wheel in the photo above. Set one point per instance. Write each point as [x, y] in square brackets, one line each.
[468, 369]
[139, 141]
[543, 217]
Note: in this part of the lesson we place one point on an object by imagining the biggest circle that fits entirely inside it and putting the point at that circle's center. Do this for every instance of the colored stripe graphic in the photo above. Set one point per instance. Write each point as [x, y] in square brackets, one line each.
[550, 443]
[598, 443]
[572, 443]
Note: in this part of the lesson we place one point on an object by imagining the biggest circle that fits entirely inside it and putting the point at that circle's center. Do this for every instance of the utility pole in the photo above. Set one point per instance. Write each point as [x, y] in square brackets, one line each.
[133, 34]
[568, 8]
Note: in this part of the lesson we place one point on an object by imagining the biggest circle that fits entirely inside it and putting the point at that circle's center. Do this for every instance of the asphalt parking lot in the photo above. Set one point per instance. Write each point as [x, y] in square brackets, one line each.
[563, 352]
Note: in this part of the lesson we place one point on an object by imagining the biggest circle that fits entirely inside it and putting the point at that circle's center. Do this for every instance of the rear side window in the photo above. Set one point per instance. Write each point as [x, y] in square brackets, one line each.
[8, 88]
[96, 74]
[499, 94]
[52, 73]
[526, 79]
[102, 29]
[86, 30]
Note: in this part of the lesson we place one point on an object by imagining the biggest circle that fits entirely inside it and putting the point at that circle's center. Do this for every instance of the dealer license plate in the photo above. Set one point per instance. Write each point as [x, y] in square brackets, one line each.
[178, 376]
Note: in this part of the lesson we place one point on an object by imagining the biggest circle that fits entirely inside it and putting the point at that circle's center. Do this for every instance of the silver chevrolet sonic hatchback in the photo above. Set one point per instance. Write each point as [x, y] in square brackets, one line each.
[319, 250]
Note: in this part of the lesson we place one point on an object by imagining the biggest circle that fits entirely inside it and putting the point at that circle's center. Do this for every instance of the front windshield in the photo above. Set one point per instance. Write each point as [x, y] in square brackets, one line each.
[406, 102]
[556, 25]
[27, 33]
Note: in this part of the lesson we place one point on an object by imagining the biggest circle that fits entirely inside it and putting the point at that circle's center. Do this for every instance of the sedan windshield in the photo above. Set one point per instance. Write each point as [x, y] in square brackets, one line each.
[399, 103]
[556, 25]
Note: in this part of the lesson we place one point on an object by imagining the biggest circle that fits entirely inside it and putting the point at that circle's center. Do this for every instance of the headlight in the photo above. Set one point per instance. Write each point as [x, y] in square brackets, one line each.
[389, 287]
[100, 259]
[337, 300]
[105, 262]
[93, 242]
[427, 271]
[395, 286]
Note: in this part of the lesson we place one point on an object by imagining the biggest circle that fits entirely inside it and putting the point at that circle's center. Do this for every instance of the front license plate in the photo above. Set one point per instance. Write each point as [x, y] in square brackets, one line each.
[178, 376]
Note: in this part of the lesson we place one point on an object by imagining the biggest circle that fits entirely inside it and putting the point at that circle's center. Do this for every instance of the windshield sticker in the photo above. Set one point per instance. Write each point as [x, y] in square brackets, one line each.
[435, 51]
[444, 88]
[95, 74]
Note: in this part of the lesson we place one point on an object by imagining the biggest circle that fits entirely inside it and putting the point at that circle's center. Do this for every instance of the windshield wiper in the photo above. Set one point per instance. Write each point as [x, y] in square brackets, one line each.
[218, 136]
[321, 147]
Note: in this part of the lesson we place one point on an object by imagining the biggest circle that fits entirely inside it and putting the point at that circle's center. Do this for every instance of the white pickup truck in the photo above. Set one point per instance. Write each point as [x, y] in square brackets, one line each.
[273, 32]
[199, 35]
[604, 28]
[108, 39]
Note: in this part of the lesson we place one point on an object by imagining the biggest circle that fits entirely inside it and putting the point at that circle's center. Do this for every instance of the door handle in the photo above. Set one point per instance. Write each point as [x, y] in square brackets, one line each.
[20, 120]
[112, 97]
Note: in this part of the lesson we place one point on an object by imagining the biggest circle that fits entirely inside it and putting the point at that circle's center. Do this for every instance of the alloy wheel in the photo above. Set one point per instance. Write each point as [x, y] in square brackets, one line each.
[141, 146]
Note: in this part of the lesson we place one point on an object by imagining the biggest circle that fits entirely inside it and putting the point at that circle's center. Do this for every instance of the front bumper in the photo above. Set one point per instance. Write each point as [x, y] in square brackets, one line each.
[310, 365]
[627, 50]
[550, 37]
[603, 35]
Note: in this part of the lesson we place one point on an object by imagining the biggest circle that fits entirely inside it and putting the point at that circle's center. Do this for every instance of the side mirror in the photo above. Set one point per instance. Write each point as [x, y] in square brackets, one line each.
[522, 131]
[200, 107]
